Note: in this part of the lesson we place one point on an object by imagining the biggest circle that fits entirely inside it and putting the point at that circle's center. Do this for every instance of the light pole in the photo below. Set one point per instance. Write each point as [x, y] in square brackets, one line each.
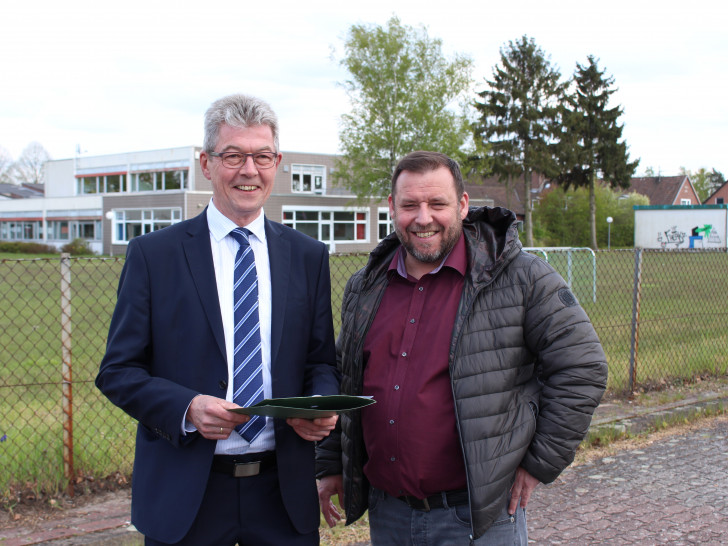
[609, 232]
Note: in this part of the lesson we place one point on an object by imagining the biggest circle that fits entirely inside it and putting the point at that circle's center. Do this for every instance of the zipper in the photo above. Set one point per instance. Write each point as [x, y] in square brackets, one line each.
[451, 365]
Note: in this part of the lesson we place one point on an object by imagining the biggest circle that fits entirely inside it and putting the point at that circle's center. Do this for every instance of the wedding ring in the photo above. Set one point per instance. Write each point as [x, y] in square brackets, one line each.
[221, 430]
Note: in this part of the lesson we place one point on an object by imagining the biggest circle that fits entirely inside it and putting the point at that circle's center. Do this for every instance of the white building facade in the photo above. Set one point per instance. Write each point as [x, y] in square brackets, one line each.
[107, 200]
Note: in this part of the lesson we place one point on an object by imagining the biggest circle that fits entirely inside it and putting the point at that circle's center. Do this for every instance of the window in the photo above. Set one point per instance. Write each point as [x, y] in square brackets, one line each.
[384, 225]
[21, 231]
[131, 223]
[88, 229]
[308, 178]
[91, 184]
[158, 180]
[109, 183]
[114, 183]
[330, 226]
[58, 230]
[686, 202]
[171, 180]
[719, 201]
[140, 181]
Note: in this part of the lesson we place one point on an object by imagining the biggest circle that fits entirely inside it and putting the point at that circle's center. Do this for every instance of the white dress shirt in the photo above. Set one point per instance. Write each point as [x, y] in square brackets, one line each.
[224, 249]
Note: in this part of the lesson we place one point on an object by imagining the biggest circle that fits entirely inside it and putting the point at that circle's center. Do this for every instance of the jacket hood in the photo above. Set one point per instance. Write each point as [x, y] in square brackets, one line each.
[491, 234]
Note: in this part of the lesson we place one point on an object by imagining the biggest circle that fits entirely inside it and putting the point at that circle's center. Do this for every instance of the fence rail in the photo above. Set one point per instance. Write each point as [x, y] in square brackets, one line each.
[661, 317]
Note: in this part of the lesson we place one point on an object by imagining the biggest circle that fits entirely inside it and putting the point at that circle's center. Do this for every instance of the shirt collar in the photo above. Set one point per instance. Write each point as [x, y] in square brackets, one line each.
[221, 226]
[456, 259]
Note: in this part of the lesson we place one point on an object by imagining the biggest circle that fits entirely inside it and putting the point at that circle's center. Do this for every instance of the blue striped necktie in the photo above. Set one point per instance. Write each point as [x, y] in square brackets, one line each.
[247, 361]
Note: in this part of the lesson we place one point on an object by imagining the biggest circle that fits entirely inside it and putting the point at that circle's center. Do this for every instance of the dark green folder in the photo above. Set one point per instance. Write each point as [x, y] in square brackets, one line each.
[306, 407]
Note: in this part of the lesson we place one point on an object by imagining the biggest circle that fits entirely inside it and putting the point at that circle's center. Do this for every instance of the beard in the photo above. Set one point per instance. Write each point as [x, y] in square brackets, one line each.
[433, 254]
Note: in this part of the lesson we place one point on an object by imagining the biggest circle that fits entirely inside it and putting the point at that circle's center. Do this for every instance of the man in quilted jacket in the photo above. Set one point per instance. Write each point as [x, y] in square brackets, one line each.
[485, 369]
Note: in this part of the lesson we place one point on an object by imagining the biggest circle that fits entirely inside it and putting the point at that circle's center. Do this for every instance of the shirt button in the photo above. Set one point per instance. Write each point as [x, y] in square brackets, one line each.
[391, 421]
[404, 354]
[393, 459]
[412, 321]
[396, 387]
[421, 288]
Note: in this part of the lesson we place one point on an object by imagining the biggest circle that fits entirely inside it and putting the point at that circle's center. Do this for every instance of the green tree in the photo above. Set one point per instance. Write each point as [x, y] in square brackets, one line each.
[562, 219]
[704, 181]
[517, 116]
[400, 89]
[590, 143]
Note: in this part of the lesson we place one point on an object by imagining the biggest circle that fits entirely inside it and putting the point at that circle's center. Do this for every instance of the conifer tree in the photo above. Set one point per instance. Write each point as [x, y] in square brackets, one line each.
[590, 145]
[518, 112]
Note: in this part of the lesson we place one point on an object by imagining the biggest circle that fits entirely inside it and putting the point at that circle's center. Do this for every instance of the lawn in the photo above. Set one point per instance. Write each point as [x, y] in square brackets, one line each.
[682, 334]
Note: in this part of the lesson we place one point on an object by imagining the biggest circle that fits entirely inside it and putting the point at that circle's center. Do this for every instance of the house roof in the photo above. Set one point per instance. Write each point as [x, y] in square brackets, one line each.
[717, 191]
[13, 191]
[511, 197]
[661, 190]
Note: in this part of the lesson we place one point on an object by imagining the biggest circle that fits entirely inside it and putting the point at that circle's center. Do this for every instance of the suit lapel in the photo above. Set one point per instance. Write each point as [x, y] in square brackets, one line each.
[279, 254]
[198, 253]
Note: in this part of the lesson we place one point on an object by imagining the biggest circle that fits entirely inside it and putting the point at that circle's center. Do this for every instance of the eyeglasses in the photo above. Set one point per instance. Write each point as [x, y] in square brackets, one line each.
[234, 160]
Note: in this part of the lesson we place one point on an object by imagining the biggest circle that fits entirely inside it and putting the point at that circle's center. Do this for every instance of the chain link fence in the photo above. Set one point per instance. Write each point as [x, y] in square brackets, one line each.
[661, 317]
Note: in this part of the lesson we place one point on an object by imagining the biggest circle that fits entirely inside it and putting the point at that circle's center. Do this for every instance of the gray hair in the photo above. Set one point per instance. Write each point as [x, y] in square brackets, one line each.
[238, 110]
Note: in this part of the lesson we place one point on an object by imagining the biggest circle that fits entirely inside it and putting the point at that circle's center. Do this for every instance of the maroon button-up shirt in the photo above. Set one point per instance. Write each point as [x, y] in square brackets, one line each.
[411, 433]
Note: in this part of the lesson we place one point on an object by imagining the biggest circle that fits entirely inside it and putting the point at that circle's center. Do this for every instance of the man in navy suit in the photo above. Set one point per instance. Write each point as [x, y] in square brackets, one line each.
[168, 362]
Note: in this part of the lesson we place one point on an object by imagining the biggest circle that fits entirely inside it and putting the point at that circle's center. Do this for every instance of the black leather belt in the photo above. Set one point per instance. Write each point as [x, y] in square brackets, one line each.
[243, 466]
[454, 498]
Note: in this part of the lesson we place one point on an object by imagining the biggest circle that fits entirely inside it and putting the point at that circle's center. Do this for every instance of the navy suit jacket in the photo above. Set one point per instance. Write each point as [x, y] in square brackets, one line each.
[166, 345]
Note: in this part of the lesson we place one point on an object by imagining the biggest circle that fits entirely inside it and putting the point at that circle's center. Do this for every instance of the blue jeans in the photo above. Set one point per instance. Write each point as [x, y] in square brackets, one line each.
[392, 522]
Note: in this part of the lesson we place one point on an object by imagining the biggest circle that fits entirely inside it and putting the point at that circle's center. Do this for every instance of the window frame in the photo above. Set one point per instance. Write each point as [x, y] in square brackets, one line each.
[329, 223]
[317, 184]
[149, 219]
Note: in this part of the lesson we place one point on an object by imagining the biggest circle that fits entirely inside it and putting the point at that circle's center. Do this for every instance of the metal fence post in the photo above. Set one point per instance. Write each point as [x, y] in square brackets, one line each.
[568, 256]
[67, 371]
[635, 319]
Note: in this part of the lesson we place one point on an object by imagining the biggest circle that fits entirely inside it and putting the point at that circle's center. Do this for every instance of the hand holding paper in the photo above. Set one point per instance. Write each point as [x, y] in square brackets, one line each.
[306, 407]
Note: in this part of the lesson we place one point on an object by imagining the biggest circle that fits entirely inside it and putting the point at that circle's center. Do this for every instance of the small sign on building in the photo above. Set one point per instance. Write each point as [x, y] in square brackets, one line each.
[672, 227]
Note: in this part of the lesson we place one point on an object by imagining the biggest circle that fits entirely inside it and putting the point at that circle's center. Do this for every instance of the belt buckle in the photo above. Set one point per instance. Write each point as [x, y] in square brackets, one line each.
[245, 470]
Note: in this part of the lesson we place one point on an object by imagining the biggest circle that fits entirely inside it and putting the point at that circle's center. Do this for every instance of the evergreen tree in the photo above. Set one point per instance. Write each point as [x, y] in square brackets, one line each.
[400, 88]
[517, 118]
[590, 143]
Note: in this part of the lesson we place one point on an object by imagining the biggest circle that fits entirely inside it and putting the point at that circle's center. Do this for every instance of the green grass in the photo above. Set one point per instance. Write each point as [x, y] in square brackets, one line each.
[683, 330]
[605, 435]
[683, 334]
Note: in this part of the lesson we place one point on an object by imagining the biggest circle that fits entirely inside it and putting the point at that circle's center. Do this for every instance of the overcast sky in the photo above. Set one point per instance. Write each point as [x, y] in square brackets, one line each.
[135, 75]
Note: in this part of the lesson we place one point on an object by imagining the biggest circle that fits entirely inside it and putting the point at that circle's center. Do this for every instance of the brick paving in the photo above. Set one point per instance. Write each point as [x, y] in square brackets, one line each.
[672, 491]
[103, 521]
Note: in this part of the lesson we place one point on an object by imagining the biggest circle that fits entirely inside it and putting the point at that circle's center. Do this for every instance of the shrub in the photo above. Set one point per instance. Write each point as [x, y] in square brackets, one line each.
[18, 247]
[77, 247]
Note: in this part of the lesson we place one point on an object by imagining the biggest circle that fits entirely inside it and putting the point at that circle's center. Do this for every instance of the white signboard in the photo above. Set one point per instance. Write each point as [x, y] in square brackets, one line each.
[681, 227]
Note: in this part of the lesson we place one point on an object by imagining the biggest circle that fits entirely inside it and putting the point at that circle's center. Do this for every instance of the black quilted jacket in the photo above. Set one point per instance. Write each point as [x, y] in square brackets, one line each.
[526, 367]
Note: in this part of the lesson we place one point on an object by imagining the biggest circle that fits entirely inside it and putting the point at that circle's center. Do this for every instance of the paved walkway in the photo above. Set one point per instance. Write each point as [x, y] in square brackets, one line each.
[674, 491]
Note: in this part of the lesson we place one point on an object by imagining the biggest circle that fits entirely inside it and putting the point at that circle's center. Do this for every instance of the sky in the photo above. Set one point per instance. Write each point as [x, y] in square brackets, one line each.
[95, 77]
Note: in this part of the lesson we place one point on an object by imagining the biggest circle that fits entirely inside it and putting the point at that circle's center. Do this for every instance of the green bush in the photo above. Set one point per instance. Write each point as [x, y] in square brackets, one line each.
[77, 247]
[562, 218]
[18, 247]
